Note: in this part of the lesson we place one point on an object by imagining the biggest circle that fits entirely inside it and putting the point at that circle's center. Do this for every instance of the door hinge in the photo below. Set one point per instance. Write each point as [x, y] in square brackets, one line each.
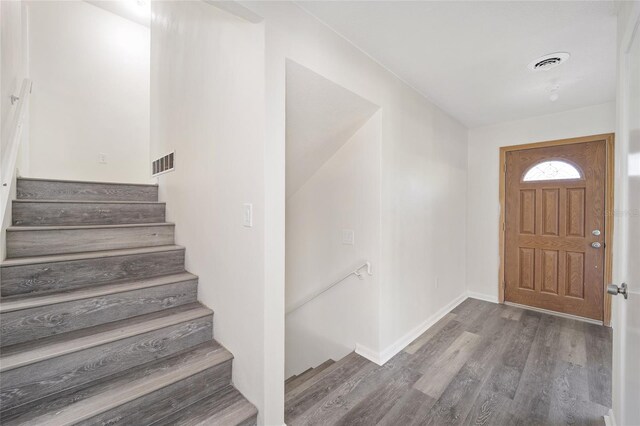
[504, 226]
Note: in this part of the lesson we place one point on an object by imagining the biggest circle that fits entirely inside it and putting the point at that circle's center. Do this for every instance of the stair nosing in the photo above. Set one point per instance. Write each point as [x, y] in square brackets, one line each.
[23, 302]
[64, 347]
[88, 182]
[72, 227]
[128, 391]
[35, 201]
[67, 257]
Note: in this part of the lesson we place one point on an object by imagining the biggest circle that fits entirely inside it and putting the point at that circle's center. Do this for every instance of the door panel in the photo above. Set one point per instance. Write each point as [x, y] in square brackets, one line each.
[549, 260]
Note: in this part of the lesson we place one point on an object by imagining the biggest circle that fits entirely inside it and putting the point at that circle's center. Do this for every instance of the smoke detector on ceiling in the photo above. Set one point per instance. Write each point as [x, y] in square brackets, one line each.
[546, 62]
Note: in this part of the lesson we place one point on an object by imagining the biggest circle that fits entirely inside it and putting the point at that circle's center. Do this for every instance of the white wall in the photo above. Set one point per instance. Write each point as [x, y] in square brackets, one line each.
[12, 63]
[90, 72]
[423, 218]
[483, 208]
[207, 97]
[423, 168]
[343, 194]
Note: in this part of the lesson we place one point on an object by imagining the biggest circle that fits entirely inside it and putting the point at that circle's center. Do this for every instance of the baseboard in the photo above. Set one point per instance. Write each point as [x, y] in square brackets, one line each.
[482, 296]
[368, 353]
[610, 419]
[382, 357]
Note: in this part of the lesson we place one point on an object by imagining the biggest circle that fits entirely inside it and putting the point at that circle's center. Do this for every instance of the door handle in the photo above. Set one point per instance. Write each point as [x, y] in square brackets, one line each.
[596, 245]
[615, 290]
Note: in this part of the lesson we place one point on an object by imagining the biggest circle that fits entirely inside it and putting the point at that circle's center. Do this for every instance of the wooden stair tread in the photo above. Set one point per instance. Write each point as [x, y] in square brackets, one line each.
[27, 353]
[28, 301]
[101, 319]
[225, 407]
[71, 227]
[307, 375]
[87, 182]
[290, 379]
[88, 255]
[346, 363]
[75, 406]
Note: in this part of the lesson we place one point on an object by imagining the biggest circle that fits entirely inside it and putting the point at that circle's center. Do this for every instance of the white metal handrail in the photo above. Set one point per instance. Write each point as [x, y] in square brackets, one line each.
[10, 157]
[312, 296]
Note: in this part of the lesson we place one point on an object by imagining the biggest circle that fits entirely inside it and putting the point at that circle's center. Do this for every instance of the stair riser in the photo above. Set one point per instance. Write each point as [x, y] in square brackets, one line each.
[61, 214]
[30, 324]
[69, 275]
[250, 422]
[84, 191]
[161, 403]
[61, 241]
[31, 382]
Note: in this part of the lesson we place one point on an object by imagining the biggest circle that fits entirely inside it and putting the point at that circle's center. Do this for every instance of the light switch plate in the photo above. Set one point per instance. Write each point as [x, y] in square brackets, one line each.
[348, 237]
[247, 215]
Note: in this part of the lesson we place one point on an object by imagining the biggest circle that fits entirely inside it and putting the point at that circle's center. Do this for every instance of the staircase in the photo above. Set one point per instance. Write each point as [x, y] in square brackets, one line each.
[296, 380]
[99, 321]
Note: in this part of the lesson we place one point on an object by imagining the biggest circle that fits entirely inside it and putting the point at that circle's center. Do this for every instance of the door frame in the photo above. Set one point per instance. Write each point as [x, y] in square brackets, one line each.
[609, 139]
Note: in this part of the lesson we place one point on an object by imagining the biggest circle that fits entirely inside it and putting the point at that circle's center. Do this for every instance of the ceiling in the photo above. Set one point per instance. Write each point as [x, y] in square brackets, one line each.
[138, 11]
[470, 57]
[321, 117]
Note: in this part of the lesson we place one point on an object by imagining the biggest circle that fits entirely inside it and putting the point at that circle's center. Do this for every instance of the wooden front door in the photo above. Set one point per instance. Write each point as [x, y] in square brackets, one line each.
[554, 228]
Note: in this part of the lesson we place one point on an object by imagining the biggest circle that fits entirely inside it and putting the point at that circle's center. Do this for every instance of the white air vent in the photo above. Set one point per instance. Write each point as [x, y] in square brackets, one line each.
[163, 164]
[547, 62]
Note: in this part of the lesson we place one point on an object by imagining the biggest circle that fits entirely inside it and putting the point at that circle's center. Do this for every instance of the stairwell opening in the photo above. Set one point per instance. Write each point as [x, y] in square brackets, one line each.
[333, 143]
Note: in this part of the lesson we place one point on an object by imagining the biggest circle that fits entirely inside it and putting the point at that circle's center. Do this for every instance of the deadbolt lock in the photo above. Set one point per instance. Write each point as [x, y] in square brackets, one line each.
[596, 232]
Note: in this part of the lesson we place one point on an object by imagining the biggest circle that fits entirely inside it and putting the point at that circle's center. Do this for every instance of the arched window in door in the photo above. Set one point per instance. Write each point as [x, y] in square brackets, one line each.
[552, 170]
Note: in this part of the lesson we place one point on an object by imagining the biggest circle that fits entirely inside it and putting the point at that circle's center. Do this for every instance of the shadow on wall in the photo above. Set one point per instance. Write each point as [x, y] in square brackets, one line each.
[333, 142]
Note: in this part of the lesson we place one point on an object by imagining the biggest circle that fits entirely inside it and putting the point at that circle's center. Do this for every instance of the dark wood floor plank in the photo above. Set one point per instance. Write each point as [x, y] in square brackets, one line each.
[598, 344]
[473, 311]
[533, 397]
[570, 397]
[457, 400]
[427, 335]
[459, 397]
[483, 319]
[490, 408]
[438, 375]
[374, 407]
[520, 368]
[512, 313]
[409, 410]
[439, 343]
[505, 377]
[573, 346]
